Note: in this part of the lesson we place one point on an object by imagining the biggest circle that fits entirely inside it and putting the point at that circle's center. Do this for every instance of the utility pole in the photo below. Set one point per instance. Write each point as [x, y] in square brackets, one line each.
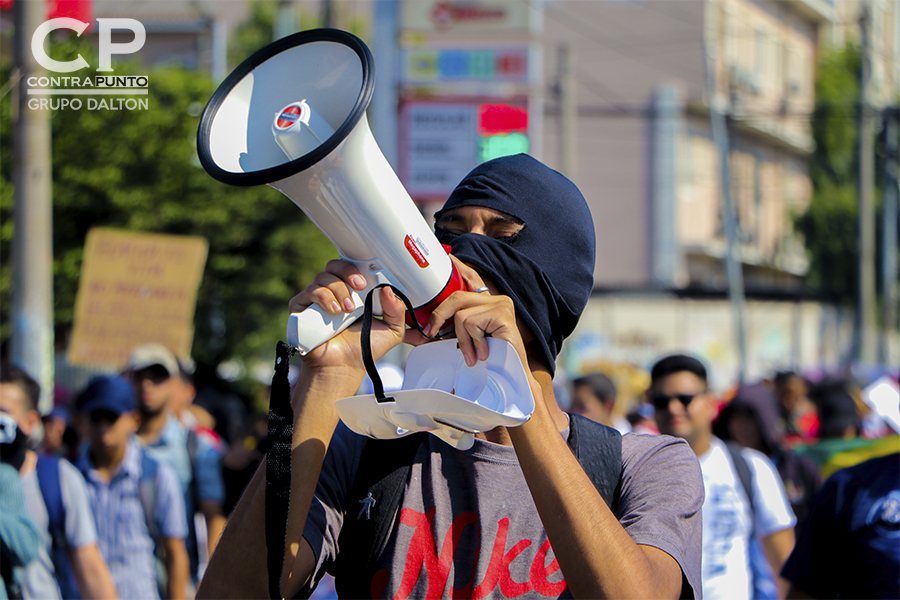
[284, 24]
[866, 299]
[327, 13]
[385, 100]
[568, 113]
[889, 292]
[733, 266]
[666, 251]
[31, 344]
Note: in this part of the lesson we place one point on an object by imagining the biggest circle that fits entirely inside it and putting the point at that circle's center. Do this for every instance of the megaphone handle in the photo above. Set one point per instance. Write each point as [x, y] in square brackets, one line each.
[313, 326]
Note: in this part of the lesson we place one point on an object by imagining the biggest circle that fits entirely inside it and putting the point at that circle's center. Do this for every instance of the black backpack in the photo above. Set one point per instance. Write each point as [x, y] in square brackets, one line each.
[48, 477]
[764, 585]
[381, 479]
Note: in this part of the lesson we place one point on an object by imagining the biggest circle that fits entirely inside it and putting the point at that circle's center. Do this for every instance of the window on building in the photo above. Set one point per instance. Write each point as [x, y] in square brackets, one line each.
[685, 157]
[776, 62]
[731, 38]
[792, 76]
[761, 68]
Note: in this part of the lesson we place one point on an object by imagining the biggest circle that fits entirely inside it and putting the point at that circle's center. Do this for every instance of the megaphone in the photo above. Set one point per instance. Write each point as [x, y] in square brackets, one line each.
[292, 116]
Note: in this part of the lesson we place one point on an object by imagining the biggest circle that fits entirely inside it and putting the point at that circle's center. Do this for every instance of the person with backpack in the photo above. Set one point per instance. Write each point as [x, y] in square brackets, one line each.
[745, 499]
[136, 500]
[558, 506]
[69, 564]
[154, 373]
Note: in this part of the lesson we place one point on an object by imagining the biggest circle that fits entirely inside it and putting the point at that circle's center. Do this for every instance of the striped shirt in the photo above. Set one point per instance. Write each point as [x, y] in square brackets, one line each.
[123, 535]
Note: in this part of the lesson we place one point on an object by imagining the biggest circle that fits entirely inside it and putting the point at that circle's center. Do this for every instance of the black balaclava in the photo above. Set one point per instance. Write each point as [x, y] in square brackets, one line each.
[548, 267]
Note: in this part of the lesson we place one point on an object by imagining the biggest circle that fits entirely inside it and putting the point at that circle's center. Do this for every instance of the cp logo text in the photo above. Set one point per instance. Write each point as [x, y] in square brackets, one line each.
[106, 46]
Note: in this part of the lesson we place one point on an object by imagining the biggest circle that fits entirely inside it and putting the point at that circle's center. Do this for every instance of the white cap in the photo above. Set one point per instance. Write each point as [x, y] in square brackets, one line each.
[147, 355]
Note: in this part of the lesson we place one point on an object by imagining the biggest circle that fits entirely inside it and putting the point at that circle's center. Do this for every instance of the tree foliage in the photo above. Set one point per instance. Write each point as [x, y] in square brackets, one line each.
[830, 223]
[253, 33]
[257, 30]
[138, 170]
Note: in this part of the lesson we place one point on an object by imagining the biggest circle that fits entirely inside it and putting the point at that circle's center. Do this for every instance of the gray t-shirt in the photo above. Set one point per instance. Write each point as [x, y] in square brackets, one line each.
[454, 542]
[38, 579]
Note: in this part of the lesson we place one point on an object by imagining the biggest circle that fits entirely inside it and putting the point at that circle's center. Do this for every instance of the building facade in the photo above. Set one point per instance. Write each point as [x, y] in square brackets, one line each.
[646, 156]
[650, 167]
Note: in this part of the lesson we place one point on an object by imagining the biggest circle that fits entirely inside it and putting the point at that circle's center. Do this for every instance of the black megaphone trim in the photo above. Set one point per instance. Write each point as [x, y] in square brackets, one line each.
[264, 176]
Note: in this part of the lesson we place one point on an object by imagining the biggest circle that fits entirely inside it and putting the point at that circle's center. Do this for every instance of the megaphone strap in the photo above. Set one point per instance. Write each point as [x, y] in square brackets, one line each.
[281, 431]
[278, 466]
[366, 337]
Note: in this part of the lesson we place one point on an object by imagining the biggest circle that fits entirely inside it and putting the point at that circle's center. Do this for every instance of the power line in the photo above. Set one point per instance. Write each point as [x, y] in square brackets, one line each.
[689, 20]
[627, 50]
[747, 34]
[622, 109]
[594, 35]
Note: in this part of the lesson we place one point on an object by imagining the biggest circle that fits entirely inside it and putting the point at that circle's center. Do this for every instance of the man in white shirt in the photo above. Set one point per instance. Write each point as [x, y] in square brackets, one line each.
[732, 522]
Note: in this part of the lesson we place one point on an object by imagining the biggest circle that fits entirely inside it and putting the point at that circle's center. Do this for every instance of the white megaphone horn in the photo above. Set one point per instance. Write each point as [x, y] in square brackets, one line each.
[293, 116]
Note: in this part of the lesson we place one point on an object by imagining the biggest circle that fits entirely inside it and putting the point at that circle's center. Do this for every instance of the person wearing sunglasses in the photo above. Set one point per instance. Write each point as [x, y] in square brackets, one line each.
[735, 526]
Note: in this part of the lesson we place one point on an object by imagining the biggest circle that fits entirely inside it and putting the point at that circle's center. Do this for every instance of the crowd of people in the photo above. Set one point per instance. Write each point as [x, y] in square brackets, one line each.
[780, 488]
[764, 450]
[126, 490]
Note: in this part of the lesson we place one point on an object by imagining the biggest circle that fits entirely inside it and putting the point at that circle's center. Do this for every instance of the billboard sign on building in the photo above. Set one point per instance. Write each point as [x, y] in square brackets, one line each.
[468, 80]
[456, 65]
[439, 145]
[446, 16]
[442, 141]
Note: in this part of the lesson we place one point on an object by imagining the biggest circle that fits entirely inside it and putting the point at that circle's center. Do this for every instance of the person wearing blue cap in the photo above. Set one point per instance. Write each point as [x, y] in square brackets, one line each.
[136, 500]
[518, 514]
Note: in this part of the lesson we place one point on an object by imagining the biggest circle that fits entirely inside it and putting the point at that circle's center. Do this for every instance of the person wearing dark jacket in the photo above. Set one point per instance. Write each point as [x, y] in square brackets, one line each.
[752, 420]
[848, 547]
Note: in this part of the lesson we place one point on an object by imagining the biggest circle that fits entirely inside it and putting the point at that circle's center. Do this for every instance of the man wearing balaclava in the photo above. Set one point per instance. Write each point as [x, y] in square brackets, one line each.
[517, 514]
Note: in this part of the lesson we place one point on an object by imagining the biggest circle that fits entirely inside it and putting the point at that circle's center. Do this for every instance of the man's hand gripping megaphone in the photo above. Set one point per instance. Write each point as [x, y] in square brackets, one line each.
[471, 316]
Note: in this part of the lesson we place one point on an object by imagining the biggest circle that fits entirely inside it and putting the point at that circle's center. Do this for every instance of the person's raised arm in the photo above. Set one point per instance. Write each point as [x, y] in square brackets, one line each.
[334, 370]
[597, 556]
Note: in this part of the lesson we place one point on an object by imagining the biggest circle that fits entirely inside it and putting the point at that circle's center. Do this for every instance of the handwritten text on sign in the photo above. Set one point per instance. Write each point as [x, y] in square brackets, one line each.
[135, 288]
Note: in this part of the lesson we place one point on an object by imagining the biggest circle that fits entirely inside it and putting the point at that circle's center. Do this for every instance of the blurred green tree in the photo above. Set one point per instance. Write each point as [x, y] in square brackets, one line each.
[138, 170]
[254, 32]
[830, 224]
[258, 29]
